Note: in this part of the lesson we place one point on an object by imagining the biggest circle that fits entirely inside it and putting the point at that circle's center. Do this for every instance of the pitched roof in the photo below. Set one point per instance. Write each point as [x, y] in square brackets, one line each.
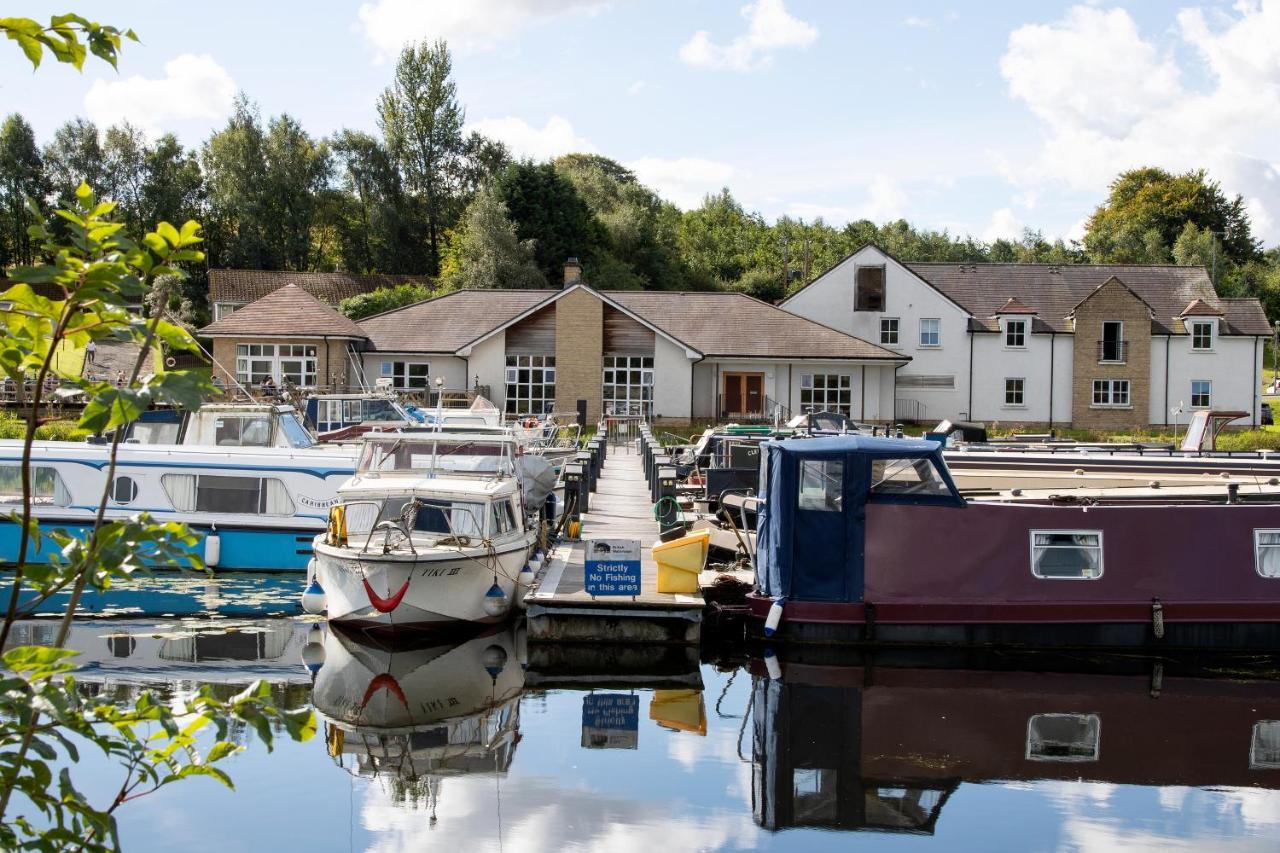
[1199, 308]
[245, 286]
[734, 324]
[1057, 288]
[448, 323]
[289, 312]
[1015, 306]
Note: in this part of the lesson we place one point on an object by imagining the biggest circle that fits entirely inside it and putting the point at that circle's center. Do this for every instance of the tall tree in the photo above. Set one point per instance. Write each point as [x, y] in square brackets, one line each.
[377, 232]
[547, 210]
[235, 167]
[72, 156]
[421, 119]
[124, 173]
[297, 172]
[488, 253]
[21, 177]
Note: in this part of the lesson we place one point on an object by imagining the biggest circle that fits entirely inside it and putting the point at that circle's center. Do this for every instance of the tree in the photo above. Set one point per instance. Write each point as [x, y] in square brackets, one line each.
[545, 208]
[384, 299]
[377, 231]
[488, 253]
[1147, 209]
[421, 119]
[235, 168]
[297, 170]
[124, 173]
[21, 177]
[74, 156]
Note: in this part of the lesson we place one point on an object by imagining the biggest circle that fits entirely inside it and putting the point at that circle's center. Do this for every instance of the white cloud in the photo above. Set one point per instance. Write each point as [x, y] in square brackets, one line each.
[635, 88]
[917, 22]
[192, 88]
[684, 181]
[1004, 224]
[770, 27]
[885, 200]
[1112, 99]
[554, 138]
[468, 26]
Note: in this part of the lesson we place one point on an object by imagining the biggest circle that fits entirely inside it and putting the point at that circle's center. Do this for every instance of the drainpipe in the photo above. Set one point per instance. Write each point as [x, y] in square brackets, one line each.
[1167, 340]
[1253, 368]
[1053, 347]
[692, 383]
[862, 395]
[968, 414]
[324, 342]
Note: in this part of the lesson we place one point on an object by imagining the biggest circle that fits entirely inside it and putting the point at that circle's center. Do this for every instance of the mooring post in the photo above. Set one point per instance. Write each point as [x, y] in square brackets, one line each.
[668, 511]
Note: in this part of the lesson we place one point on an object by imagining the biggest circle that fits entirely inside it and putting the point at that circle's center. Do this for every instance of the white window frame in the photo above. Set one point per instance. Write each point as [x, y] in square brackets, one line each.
[628, 396]
[1208, 395]
[1020, 390]
[538, 395]
[402, 372]
[1092, 721]
[255, 360]
[1254, 763]
[937, 332]
[1015, 328]
[1259, 545]
[1112, 386]
[1192, 330]
[1034, 546]
[825, 396]
[890, 327]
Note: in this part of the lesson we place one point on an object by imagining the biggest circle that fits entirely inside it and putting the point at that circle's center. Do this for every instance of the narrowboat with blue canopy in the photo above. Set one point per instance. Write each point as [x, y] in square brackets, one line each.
[868, 539]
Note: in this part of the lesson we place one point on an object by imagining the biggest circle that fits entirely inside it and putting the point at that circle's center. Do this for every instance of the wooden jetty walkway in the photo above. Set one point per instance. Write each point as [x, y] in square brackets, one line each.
[560, 609]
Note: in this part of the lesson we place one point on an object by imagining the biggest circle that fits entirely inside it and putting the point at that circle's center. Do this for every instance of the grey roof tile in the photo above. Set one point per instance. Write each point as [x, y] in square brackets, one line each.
[287, 312]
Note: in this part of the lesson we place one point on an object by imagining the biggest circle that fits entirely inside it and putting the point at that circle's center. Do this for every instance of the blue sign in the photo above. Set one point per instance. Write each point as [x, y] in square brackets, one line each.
[610, 721]
[612, 567]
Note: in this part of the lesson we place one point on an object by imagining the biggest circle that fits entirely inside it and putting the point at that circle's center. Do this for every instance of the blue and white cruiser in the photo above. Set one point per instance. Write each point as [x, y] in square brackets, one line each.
[254, 508]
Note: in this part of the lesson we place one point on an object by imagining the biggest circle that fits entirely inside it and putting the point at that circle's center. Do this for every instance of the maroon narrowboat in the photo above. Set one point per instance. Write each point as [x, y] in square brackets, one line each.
[868, 540]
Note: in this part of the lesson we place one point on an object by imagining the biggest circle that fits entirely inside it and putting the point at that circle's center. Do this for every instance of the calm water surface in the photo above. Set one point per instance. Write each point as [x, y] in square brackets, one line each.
[486, 744]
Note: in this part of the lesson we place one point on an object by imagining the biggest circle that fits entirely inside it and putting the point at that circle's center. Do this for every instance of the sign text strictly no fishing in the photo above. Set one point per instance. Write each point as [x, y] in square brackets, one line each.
[612, 567]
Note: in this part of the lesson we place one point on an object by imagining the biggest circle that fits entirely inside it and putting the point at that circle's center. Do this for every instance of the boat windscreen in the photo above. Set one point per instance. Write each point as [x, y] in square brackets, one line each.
[435, 457]
[294, 431]
[900, 477]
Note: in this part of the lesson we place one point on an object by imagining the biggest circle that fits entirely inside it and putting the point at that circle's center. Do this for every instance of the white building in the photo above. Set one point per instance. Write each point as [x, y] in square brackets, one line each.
[1089, 345]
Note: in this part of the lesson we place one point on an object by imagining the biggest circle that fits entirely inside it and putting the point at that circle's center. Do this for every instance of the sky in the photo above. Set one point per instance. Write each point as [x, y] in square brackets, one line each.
[981, 118]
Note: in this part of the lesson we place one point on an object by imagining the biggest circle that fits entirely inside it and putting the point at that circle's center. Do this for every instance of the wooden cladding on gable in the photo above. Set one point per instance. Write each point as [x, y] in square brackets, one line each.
[625, 336]
[534, 335]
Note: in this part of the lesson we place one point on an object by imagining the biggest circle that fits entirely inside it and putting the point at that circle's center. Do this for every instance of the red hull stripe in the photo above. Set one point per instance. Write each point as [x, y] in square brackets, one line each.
[1018, 613]
[385, 681]
[385, 605]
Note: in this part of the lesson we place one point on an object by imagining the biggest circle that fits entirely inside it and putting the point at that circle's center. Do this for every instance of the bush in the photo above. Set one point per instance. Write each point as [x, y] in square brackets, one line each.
[61, 431]
[1253, 439]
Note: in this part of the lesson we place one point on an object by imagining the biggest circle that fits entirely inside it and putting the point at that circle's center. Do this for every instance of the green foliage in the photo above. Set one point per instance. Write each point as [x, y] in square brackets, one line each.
[547, 209]
[485, 251]
[384, 299]
[62, 37]
[1253, 439]
[22, 176]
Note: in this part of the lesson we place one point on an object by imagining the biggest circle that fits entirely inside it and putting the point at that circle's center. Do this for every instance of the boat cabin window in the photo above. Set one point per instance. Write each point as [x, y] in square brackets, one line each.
[815, 795]
[1064, 737]
[503, 519]
[380, 411]
[429, 455]
[907, 477]
[821, 485]
[1266, 552]
[124, 490]
[1264, 751]
[1066, 554]
[450, 518]
[229, 494]
[295, 431]
[47, 488]
[154, 432]
[252, 431]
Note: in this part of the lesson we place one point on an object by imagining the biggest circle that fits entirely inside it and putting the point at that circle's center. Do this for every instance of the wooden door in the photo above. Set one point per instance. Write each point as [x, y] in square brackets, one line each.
[743, 394]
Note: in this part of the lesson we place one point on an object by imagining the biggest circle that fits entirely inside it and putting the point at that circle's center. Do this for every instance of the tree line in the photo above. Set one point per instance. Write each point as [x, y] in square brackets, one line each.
[424, 197]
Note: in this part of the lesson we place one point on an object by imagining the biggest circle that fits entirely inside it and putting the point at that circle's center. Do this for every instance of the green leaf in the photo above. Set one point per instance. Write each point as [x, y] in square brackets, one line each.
[221, 750]
[111, 408]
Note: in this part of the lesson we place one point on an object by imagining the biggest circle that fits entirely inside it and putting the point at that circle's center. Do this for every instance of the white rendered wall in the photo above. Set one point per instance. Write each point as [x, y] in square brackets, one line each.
[452, 368]
[488, 361]
[1234, 366]
[672, 380]
[993, 362]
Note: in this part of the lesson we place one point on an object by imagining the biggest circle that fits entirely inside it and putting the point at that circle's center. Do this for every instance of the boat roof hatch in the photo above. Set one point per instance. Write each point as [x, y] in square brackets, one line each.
[812, 525]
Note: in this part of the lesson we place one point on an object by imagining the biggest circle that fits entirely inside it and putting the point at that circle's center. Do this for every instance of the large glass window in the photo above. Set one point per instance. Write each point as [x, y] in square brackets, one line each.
[226, 493]
[930, 332]
[1111, 392]
[531, 384]
[1066, 554]
[407, 375]
[295, 363]
[826, 392]
[628, 385]
[46, 486]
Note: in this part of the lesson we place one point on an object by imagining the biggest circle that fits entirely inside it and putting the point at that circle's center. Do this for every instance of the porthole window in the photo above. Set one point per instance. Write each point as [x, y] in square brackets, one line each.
[124, 490]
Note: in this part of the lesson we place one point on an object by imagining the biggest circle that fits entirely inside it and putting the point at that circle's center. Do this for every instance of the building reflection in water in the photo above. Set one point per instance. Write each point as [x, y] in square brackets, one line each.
[413, 715]
[883, 748]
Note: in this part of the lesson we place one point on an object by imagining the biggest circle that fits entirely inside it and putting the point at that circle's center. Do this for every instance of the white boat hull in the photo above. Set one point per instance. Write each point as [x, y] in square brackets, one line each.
[432, 591]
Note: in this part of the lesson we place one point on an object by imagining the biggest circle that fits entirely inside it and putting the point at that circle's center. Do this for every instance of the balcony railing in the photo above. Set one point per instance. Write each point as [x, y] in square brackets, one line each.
[1114, 352]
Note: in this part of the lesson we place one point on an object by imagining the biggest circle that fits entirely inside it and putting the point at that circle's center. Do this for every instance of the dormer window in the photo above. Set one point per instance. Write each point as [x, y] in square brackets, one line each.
[869, 283]
[1015, 334]
[1201, 335]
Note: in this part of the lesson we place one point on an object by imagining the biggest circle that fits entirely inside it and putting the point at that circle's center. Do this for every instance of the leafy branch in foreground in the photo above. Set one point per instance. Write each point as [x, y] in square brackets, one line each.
[62, 38]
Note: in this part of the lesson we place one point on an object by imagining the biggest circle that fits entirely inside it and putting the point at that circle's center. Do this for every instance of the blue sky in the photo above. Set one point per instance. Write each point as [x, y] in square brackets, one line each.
[976, 117]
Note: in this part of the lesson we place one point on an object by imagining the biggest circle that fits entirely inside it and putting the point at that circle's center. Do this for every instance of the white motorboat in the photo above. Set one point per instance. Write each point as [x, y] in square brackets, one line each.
[432, 531]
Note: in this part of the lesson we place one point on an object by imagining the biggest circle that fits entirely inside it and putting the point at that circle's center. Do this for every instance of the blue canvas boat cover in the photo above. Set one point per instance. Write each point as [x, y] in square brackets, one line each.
[812, 526]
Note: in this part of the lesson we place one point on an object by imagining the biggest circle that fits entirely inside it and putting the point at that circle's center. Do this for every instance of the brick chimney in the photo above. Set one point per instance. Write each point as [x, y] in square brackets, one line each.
[572, 272]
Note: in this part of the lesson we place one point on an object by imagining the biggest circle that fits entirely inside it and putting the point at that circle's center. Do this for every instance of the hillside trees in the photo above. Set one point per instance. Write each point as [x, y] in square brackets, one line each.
[21, 176]
[488, 253]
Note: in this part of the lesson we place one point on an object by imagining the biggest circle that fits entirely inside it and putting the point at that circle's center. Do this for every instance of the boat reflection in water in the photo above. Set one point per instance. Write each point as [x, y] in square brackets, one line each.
[412, 714]
[857, 748]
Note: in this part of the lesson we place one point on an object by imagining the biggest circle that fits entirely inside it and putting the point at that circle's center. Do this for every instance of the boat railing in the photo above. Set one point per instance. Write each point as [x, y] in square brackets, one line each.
[401, 526]
[1107, 449]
